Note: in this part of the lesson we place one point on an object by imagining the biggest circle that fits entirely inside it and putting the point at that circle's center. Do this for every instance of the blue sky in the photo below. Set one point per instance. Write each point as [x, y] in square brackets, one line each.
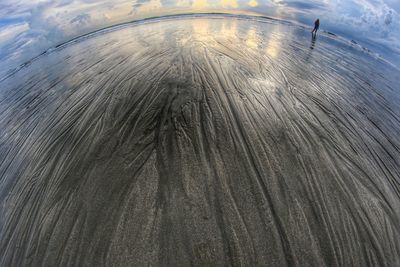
[27, 28]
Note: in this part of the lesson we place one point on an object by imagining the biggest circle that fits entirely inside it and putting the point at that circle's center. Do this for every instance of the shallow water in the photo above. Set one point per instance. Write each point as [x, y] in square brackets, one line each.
[201, 141]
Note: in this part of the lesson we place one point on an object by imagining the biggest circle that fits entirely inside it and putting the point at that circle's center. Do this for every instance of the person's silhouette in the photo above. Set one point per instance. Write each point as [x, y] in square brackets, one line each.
[316, 26]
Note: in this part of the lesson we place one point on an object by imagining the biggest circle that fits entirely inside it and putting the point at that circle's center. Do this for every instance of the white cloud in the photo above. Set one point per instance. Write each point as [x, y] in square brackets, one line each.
[376, 20]
[8, 33]
[81, 19]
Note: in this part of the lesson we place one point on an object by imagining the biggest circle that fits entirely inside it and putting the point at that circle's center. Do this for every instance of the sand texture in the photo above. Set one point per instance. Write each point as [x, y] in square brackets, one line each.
[213, 141]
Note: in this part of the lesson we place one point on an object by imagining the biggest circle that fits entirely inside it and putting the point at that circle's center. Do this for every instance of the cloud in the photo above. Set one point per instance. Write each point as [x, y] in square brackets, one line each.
[229, 4]
[252, 3]
[81, 19]
[8, 33]
[138, 3]
[145, 6]
[375, 19]
[301, 5]
[27, 28]
[200, 4]
[389, 17]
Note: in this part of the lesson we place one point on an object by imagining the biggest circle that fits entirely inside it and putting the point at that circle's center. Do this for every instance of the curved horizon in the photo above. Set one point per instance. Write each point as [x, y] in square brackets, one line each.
[29, 28]
[12, 70]
[201, 141]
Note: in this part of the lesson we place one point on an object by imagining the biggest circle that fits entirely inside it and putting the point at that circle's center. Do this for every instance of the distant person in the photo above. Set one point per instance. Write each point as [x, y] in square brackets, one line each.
[316, 26]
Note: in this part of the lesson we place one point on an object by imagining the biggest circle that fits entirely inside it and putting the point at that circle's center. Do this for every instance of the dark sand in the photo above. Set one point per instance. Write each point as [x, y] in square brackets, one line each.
[201, 142]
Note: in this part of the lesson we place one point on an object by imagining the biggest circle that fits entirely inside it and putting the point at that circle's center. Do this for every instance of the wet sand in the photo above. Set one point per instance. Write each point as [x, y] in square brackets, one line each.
[201, 141]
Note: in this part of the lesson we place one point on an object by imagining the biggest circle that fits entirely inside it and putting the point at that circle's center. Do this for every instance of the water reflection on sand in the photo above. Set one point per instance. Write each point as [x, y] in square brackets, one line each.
[201, 141]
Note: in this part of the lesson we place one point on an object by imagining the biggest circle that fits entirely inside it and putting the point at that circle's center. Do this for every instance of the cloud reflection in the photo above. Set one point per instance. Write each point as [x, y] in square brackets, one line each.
[29, 27]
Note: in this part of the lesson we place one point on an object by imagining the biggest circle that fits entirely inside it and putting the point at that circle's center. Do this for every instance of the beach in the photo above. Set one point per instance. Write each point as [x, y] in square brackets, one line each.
[205, 141]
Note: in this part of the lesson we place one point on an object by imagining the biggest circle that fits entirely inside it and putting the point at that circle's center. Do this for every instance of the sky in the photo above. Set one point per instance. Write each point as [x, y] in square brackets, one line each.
[29, 27]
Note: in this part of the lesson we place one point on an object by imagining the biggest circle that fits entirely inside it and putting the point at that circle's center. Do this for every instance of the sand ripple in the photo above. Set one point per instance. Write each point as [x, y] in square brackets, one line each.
[200, 141]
